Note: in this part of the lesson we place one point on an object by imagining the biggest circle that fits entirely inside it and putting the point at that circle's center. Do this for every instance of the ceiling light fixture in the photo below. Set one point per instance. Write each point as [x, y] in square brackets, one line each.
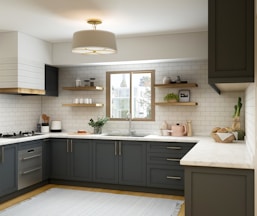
[94, 41]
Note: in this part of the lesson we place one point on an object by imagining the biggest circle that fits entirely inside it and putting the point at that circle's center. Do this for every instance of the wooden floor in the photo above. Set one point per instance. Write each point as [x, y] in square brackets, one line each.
[44, 188]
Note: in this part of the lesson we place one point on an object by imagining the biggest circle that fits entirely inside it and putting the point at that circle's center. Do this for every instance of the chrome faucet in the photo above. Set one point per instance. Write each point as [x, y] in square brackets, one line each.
[129, 118]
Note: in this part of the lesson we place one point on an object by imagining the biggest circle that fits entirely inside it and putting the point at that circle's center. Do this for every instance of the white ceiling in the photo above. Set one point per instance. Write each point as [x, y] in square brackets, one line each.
[57, 20]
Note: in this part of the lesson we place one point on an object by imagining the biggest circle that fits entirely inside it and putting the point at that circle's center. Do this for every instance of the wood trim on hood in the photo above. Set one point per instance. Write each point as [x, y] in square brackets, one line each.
[22, 91]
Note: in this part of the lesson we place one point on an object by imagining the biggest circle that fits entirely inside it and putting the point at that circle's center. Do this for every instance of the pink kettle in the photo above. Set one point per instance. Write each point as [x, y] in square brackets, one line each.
[178, 130]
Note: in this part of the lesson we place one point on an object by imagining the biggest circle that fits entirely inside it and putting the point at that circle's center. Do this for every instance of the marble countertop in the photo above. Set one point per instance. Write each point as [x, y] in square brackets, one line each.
[206, 152]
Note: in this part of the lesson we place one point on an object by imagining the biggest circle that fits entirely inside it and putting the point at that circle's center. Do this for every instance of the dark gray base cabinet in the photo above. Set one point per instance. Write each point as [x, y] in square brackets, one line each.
[119, 162]
[71, 159]
[163, 164]
[8, 169]
[219, 191]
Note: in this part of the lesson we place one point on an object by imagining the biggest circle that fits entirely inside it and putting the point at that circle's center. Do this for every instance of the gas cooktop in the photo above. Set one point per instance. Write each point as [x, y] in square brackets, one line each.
[18, 135]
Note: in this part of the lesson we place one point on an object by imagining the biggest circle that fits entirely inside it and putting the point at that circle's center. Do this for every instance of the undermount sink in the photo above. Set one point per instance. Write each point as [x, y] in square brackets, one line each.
[125, 135]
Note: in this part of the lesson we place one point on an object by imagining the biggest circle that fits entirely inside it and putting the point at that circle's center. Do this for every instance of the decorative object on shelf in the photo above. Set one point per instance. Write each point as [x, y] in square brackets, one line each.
[45, 123]
[94, 41]
[184, 95]
[178, 130]
[171, 97]
[86, 82]
[166, 80]
[78, 83]
[98, 124]
[92, 81]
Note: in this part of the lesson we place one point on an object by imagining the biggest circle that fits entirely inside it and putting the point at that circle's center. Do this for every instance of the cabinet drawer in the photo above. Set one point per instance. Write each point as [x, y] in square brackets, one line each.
[169, 148]
[164, 159]
[165, 178]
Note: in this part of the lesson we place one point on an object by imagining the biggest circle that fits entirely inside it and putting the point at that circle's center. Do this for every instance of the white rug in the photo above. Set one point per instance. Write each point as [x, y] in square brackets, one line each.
[67, 202]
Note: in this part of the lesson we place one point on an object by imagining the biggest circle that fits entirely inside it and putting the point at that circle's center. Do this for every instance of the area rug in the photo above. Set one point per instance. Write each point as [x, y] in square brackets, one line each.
[68, 202]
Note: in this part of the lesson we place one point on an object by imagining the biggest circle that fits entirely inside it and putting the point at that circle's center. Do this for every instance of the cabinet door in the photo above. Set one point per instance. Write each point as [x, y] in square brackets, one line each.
[8, 169]
[132, 163]
[46, 159]
[105, 161]
[81, 159]
[231, 41]
[219, 191]
[59, 159]
[51, 80]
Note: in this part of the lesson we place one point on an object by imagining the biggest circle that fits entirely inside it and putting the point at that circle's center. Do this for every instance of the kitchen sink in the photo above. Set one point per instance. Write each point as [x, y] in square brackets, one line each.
[125, 135]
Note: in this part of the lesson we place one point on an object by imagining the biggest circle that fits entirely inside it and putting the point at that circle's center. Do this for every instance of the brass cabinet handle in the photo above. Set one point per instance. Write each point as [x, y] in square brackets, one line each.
[115, 148]
[174, 147]
[71, 146]
[67, 146]
[173, 159]
[119, 148]
[173, 177]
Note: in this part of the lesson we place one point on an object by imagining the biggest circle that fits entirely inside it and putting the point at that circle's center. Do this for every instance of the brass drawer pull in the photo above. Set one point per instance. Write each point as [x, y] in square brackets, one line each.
[173, 159]
[174, 147]
[174, 177]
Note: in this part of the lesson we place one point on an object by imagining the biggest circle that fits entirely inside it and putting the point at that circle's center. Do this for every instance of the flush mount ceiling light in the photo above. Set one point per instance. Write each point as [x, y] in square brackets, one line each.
[94, 41]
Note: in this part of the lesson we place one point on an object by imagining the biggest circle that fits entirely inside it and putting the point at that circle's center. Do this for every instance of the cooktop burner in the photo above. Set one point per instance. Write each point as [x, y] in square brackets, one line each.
[17, 135]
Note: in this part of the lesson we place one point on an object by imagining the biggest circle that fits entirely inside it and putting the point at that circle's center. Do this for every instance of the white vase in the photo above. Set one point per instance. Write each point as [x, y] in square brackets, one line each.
[166, 80]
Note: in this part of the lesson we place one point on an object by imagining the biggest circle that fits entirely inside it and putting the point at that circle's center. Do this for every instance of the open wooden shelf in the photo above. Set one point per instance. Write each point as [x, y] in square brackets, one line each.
[84, 88]
[177, 85]
[84, 105]
[176, 103]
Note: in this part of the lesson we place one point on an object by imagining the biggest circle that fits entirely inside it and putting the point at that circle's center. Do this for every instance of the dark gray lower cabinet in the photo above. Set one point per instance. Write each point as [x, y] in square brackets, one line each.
[163, 164]
[219, 191]
[71, 159]
[46, 162]
[8, 169]
[120, 162]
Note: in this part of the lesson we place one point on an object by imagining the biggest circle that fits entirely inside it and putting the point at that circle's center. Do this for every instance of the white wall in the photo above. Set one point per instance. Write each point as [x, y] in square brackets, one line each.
[213, 109]
[174, 46]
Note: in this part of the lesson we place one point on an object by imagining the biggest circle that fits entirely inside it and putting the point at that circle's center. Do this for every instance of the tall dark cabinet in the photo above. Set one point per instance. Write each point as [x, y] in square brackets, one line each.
[231, 42]
[51, 80]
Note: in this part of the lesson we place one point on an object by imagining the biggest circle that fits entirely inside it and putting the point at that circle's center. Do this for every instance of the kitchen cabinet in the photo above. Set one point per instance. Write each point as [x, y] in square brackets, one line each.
[71, 159]
[177, 86]
[8, 169]
[231, 42]
[51, 80]
[84, 88]
[120, 162]
[219, 191]
[163, 168]
[46, 159]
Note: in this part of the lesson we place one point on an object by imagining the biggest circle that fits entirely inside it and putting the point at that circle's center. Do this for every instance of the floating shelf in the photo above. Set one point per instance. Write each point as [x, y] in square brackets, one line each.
[177, 85]
[84, 88]
[176, 103]
[84, 105]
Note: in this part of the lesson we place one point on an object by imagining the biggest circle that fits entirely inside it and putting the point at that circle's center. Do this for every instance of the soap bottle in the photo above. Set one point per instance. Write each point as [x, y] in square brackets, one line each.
[189, 128]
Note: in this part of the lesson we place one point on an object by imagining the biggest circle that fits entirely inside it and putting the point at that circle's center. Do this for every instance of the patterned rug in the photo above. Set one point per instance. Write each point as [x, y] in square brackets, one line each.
[67, 202]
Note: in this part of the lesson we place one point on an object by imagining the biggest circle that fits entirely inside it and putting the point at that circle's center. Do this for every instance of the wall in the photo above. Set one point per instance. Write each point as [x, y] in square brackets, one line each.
[213, 109]
[175, 46]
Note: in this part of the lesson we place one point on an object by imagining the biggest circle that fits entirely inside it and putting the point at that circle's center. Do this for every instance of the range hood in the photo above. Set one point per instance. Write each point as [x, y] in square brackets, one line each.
[22, 64]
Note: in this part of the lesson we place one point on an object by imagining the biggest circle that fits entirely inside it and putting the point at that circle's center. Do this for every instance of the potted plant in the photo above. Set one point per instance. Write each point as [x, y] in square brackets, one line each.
[171, 97]
[98, 124]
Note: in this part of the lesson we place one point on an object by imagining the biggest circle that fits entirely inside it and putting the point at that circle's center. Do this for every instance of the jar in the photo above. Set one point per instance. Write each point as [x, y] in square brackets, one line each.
[166, 80]
[92, 81]
[78, 82]
[86, 82]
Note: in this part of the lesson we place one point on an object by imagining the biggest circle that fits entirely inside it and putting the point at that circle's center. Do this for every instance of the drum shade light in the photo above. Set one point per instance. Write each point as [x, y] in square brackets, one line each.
[94, 41]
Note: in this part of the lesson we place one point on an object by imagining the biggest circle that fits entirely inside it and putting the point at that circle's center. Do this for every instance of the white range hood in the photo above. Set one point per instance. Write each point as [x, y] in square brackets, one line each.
[22, 63]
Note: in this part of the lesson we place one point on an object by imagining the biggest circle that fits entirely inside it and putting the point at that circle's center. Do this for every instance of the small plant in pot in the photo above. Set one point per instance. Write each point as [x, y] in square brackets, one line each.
[98, 124]
[171, 97]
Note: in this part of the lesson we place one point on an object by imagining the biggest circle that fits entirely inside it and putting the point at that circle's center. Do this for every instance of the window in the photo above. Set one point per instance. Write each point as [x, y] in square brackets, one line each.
[130, 93]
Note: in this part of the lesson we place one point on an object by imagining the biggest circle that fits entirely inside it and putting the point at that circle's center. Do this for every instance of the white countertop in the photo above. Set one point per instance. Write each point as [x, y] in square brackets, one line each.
[206, 152]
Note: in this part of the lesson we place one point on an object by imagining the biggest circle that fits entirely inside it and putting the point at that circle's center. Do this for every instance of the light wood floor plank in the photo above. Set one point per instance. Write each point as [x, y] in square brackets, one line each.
[46, 187]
